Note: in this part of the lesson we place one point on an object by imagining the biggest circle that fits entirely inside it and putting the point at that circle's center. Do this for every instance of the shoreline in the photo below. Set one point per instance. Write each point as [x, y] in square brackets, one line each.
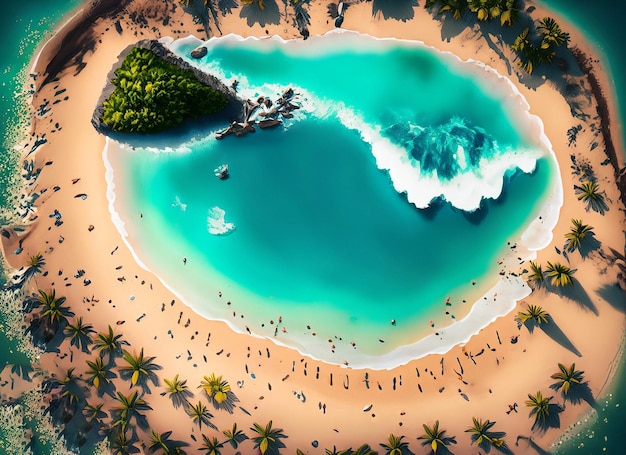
[345, 403]
[477, 316]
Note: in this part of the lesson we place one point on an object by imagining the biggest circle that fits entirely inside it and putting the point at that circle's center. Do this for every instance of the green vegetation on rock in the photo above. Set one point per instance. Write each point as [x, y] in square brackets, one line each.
[152, 95]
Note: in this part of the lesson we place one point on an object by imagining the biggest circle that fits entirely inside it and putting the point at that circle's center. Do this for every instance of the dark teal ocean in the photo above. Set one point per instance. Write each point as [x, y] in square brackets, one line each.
[25, 25]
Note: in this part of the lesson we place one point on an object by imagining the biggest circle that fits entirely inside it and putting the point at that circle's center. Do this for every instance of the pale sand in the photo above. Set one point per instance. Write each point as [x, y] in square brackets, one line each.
[500, 377]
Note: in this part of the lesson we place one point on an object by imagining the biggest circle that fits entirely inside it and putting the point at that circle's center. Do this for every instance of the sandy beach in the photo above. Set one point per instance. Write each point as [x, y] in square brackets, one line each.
[316, 404]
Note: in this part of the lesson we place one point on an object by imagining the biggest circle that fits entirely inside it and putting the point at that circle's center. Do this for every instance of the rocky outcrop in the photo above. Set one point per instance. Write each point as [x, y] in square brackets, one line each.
[199, 52]
[264, 112]
[233, 111]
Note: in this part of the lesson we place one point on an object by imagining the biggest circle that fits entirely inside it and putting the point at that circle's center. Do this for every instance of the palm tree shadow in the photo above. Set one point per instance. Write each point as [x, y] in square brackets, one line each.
[614, 295]
[270, 14]
[44, 336]
[578, 393]
[487, 445]
[533, 445]
[22, 370]
[554, 331]
[107, 389]
[576, 293]
[443, 450]
[553, 420]
[451, 28]
[589, 245]
[226, 6]
[394, 9]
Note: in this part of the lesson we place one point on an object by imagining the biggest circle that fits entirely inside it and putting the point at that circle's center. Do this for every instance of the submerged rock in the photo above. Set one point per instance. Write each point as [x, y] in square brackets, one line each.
[199, 52]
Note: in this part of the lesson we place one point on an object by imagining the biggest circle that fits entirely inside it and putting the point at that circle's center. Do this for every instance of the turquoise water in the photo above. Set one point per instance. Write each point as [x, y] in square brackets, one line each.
[24, 24]
[321, 238]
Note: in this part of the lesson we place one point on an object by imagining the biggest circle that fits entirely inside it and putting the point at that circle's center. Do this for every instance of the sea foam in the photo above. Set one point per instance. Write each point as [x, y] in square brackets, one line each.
[216, 222]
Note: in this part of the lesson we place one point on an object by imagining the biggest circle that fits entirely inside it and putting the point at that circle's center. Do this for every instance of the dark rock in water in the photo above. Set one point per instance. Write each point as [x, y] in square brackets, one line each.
[287, 94]
[244, 129]
[118, 27]
[338, 21]
[199, 52]
[269, 123]
[238, 129]
[563, 65]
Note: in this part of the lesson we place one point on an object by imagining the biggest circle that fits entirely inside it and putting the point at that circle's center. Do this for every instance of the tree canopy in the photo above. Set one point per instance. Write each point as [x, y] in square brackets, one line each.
[152, 95]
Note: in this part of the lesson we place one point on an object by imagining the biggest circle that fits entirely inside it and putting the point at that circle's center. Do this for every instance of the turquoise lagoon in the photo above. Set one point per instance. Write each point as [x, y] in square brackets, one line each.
[403, 179]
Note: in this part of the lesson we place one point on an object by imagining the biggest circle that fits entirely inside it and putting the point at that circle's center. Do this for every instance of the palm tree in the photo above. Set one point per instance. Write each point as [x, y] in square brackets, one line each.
[71, 396]
[435, 437]
[456, 7]
[560, 274]
[140, 370]
[200, 414]
[211, 446]
[219, 392]
[53, 313]
[100, 376]
[535, 313]
[234, 437]
[130, 408]
[567, 378]
[540, 407]
[482, 436]
[268, 438]
[71, 387]
[530, 56]
[121, 445]
[162, 442]
[482, 8]
[536, 277]
[509, 13]
[178, 391]
[577, 233]
[589, 192]
[110, 344]
[79, 334]
[395, 446]
[34, 265]
[553, 36]
[365, 449]
[93, 413]
[334, 451]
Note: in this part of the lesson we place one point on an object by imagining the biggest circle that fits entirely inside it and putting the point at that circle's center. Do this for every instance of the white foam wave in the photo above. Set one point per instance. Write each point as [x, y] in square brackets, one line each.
[464, 191]
[216, 222]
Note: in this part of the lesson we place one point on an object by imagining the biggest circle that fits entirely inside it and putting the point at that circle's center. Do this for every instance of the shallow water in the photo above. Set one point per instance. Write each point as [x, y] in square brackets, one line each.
[321, 238]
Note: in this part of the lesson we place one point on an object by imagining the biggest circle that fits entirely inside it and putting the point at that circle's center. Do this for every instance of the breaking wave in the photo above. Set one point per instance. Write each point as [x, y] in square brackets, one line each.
[455, 161]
